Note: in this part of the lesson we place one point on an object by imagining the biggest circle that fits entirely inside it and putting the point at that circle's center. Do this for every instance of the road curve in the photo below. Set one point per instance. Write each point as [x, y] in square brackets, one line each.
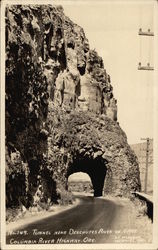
[91, 221]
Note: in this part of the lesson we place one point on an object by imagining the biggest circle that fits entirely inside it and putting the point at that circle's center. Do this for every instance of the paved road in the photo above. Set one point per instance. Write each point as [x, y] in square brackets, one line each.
[88, 222]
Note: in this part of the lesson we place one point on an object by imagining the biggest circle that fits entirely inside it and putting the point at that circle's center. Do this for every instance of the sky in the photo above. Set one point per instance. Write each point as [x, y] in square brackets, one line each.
[79, 176]
[112, 29]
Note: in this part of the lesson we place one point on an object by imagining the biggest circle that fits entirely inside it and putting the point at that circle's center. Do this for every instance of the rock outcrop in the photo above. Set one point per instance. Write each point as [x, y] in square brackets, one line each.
[61, 116]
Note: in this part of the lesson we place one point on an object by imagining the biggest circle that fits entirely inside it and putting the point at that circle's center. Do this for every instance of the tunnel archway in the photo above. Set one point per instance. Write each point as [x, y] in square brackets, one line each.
[95, 168]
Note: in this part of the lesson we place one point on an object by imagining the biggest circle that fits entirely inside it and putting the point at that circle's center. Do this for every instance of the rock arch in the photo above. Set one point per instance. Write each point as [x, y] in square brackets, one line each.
[96, 145]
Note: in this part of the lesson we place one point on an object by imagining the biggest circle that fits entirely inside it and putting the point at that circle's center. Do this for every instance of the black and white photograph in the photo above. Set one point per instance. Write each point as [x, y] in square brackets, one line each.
[79, 118]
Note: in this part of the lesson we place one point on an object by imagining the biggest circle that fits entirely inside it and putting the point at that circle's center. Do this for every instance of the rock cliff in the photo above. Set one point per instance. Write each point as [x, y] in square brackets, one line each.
[61, 116]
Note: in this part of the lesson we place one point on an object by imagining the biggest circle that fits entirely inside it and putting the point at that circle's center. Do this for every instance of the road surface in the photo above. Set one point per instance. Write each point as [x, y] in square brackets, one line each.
[93, 220]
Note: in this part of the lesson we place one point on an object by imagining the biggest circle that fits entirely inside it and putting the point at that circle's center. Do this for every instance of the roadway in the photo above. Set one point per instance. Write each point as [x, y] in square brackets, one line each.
[93, 220]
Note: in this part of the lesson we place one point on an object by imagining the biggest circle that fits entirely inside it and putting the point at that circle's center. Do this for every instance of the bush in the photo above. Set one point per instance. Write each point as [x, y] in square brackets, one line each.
[12, 214]
[141, 207]
[66, 197]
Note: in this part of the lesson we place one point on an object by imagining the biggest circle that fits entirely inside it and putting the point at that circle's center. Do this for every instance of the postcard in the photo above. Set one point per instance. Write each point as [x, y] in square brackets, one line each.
[79, 117]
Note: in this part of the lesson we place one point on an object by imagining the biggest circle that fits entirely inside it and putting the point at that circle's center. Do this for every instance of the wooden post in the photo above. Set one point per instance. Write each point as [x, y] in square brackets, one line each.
[147, 163]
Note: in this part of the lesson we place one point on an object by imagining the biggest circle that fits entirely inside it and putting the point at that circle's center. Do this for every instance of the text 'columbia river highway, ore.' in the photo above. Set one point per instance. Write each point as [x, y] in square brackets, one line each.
[59, 237]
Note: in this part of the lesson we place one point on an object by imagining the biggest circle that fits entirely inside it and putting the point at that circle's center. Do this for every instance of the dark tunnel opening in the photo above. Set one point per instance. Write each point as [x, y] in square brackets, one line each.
[95, 168]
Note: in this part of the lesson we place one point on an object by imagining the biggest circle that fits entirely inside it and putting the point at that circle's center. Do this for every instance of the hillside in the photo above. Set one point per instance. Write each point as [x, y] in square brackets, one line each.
[61, 115]
[140, 151]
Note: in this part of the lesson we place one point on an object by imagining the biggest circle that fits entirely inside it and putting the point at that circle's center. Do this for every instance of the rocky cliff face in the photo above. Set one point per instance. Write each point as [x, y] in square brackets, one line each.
[61, 116]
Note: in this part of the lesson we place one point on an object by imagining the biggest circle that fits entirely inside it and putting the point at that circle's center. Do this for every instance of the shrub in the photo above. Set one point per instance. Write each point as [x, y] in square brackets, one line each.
[66, 197]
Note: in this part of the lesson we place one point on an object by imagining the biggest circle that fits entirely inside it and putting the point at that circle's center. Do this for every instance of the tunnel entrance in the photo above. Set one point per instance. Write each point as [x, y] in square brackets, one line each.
[95, 168]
